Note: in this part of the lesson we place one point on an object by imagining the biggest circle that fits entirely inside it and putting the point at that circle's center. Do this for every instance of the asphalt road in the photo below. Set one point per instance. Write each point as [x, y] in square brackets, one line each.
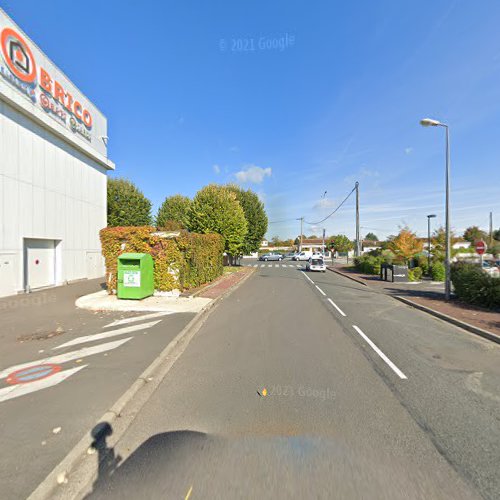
[309, 385]
[42, 418]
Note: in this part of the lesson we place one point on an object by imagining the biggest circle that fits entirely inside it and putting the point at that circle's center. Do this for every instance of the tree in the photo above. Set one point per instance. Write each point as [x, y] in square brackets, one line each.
[297, 240]
[438, 244]
[371, 237]
[496, 234]
[215, 209]
[405, 245]
[341, 243]
[473, 234]
[255, 216]
[127, 206]
[313, 236]
[175, 208]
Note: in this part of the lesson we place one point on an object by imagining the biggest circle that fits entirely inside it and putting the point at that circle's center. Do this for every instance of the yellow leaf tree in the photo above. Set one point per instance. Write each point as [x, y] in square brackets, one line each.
[406, 245]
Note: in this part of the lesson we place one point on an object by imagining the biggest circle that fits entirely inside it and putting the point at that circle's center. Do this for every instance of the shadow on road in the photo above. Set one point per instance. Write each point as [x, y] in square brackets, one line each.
[107, 460]
[147, 465]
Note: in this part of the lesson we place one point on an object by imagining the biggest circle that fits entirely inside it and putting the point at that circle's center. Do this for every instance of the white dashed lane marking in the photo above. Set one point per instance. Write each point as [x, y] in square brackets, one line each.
[337, 307]
[396, 370]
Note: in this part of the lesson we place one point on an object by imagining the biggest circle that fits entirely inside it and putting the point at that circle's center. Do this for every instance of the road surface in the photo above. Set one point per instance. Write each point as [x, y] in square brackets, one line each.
[95, 357]
[305, 385]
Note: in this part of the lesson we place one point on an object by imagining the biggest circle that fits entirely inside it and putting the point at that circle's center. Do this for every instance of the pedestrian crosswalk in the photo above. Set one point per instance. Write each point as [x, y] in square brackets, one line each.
[283, 266]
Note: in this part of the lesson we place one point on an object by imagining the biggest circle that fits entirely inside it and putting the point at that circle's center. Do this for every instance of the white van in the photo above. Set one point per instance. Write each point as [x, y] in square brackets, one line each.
[304, 255]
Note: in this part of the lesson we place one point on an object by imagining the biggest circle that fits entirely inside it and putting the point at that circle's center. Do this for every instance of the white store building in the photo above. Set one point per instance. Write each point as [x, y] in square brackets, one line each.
[53, 171]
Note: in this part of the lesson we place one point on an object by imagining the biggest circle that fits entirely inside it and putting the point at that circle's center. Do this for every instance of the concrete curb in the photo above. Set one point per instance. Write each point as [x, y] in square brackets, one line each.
[466, 326]
[59, 483]
[346, 275]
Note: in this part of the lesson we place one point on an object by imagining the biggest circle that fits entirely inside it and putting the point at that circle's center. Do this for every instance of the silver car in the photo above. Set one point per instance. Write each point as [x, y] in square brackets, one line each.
[271, 256]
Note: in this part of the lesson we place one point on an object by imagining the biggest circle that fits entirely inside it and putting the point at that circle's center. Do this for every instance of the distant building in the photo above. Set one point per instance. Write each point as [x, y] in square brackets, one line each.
[312, 245]
[370, 245]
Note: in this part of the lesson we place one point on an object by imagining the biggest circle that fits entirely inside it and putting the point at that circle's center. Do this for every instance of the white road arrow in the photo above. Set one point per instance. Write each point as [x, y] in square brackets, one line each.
[14, 391]
[109, 333]
[69, 356]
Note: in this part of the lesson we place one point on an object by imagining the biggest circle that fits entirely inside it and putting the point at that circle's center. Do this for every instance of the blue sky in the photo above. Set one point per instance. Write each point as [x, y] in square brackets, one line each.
[339, 101]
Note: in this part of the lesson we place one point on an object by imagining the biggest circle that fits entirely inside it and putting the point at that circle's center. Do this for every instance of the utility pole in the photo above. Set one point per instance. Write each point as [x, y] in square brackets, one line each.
[358, 249]
[301, 231]
[491, 229]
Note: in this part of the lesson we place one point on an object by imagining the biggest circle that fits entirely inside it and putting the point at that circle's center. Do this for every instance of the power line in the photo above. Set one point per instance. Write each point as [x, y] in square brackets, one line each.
[328, 216]
[283, 220]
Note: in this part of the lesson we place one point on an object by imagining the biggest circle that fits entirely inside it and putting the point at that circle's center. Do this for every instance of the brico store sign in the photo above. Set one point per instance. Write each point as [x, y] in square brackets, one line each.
[41, 82]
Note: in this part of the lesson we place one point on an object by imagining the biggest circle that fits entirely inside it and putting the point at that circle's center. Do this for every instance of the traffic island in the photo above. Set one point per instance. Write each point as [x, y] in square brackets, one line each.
[191, 301]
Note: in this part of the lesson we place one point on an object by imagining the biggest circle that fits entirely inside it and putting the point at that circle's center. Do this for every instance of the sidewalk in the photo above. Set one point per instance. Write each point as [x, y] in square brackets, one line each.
[428, 294]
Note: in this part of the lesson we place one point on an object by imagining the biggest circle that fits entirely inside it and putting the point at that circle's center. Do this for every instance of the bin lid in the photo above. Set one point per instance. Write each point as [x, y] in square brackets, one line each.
[136, 256]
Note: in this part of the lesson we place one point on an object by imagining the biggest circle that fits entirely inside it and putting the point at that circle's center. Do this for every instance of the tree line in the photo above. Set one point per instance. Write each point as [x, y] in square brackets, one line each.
[236, 214]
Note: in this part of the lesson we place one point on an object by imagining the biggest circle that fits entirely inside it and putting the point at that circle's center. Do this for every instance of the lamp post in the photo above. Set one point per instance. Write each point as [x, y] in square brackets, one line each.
[429, 217]
[429, 122]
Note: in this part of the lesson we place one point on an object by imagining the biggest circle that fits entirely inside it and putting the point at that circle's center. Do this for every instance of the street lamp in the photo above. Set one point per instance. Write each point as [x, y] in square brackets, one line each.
[429, 217]
[429, 122]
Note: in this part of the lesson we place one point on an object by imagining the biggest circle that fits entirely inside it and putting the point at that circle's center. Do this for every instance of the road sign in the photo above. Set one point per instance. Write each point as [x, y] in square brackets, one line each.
[480, 247]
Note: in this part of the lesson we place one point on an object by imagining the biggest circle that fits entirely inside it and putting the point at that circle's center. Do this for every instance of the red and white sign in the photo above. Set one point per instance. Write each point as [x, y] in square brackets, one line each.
[480, 247]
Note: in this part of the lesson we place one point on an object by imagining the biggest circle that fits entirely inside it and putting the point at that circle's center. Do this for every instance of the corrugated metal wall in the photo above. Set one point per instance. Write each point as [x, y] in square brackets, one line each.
[48, 190]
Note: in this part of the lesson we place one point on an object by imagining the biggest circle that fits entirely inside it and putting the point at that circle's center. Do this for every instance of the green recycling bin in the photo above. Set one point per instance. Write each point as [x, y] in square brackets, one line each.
[135, 276]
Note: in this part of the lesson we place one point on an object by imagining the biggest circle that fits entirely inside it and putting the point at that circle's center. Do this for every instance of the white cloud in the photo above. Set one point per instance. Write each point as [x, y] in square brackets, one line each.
[253, 174]
[324, 203]
[408, 150]
[364, 173]
[216, 169]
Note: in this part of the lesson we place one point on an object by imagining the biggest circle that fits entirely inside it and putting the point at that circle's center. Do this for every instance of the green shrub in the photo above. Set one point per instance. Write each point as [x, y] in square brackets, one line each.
[368, 263]
[182, 261]
[473, 285]
[415, 274]
[437, 271]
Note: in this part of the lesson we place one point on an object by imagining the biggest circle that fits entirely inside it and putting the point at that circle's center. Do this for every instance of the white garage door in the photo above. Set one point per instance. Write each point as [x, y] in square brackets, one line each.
[40, 261]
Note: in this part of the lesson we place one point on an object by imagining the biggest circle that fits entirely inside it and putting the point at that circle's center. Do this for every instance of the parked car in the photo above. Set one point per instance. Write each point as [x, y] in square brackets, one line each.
[271, 256]
[491, 269]
[316, 264]
[290, 255]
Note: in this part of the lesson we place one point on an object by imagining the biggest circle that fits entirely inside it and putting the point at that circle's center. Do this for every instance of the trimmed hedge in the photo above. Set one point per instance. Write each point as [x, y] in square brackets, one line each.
[180, 262]
[471, 284]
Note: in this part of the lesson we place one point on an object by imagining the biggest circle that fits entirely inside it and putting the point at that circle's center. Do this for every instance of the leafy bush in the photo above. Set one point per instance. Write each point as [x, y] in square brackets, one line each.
[415, 274]
[423, 263]
[368, 264]
[181, 261]
[437, 271]
[473, 285]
